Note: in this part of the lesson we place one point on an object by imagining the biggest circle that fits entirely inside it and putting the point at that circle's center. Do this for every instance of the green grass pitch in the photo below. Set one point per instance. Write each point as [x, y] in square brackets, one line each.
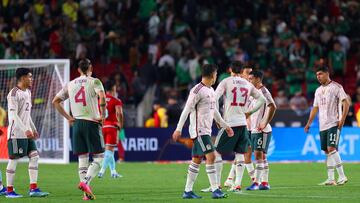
[147, 182]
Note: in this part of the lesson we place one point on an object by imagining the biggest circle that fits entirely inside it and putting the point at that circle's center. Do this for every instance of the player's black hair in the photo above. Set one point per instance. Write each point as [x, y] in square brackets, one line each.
[84, 65]
[322, 68]
[236, 67]
[22, 72]
[257, 74]
[109, 85]
[208, 69]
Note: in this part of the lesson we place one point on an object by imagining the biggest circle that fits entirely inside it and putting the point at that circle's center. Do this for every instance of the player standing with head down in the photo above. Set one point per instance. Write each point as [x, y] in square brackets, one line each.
[112, 124]
[327, 99]
[261, 132]
[201, 105]
[83, 93]
[21, 134]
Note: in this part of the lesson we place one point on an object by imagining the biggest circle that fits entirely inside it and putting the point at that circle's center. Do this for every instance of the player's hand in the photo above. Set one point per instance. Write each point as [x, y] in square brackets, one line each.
[119, 125]
[71, 121]
[229, 131]
[247, 115]
[341, 124]
[261, 126]
[306, 128]
[29, 134]
[176, 135]
[36, 135]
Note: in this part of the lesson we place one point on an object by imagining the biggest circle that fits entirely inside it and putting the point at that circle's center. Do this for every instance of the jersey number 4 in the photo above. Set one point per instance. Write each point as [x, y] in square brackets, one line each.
[80, 96]
[243, 94]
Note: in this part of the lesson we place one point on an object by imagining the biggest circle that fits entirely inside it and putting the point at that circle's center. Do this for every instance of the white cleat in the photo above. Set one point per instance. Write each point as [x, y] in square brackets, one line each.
[206, 189]
[328, 182]
[235, 189]
[342, 181]
[229, 183]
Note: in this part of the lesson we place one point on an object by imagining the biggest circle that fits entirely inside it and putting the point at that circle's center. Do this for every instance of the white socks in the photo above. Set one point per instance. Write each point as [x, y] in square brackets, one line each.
[258, 170]
[83, 166]
[265, 176]
[10, 172]
[94, 167]
[218, 167]
[335, 157]
[250, 170]
[330, 164]
[192, 174]
[1, 185]
[240, 162]
[232, 172]
[211, 172]
[33, 166]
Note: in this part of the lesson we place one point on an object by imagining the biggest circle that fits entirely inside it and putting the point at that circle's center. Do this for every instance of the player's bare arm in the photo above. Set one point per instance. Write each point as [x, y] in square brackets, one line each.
[272, 108]
[313, 113]
[345, 106]
[58, 106]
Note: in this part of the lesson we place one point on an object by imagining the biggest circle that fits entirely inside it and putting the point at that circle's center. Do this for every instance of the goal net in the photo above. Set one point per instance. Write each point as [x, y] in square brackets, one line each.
[49, 76]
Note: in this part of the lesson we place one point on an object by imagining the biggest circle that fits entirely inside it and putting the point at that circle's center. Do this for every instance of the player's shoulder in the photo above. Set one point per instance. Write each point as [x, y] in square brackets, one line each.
[264, 90]
[13, 92]
[197, 88]
[336, 84]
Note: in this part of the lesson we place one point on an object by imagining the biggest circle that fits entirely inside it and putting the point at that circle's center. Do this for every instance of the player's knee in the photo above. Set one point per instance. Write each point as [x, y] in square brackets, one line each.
[258, 155]
[98, 158]
[34, 156]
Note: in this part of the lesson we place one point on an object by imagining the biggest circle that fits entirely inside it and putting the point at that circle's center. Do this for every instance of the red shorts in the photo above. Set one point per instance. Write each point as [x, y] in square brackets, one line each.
[110, 136]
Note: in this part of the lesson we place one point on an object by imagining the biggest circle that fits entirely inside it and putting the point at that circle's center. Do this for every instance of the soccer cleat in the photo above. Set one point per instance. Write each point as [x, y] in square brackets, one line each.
[328, 182]
[37, 193]
[100, 175]
[13, 194]
[218, 194]
[342, 181]
[116, 175]
[190, 195]
[86, 197]
[206, 189]
[3, 191]
[229, 183]
[86, 188]
[254, 186]
[264, 186]
[235, 189]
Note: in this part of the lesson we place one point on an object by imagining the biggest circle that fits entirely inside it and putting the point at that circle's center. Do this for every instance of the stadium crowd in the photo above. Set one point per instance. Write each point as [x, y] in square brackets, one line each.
[164, 42]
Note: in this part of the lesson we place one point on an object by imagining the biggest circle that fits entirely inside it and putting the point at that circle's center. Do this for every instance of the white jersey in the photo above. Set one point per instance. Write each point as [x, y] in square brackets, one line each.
[19, 109]
[201, 106]
[328, 99]
[258, 117]
[236, 92]
[83, 94]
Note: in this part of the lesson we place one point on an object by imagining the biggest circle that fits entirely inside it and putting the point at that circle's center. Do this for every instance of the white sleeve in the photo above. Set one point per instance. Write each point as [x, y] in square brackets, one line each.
[13, 109]
[316, 102]
[219, 119]
[220, 90]
[98, 87]
[191, 102]
[341, 94]
[63, 94]
[268, 97]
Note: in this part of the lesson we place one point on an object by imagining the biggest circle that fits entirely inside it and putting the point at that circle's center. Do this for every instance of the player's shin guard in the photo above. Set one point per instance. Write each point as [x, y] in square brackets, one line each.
[250, 169]
[83, 166]
[259, 170]
[232, 172]
[240, 162]
[265, 175]
[111, 161]
[33, 168]
[94, 167]
[330, 164]
[10, 174]
[218, 167]
[335, 156]
[107, 159]
[192, 174]
[211, 172]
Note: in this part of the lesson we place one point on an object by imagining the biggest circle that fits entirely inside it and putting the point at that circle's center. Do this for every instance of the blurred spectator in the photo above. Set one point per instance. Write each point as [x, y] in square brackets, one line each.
[159, 118]
[281, 100]
[337, 60]
[298, 103]
[173, 110]
[2, 117]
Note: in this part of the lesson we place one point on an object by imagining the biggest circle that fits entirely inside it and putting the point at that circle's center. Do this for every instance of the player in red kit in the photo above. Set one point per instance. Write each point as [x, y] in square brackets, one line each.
[113, 123]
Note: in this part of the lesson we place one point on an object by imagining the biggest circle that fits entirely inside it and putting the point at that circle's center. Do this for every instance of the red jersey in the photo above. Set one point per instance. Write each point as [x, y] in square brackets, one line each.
[111, 103]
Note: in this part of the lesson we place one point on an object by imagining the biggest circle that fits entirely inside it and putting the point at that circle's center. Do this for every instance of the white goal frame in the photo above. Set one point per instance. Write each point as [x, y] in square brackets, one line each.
[63, 81]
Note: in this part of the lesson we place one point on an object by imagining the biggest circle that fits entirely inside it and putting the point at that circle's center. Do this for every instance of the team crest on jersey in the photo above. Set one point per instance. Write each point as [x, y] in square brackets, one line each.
[208, 147]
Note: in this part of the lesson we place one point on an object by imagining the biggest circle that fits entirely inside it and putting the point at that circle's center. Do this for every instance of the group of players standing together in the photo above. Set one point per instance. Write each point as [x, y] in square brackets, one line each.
[248, 110]
[96, 116]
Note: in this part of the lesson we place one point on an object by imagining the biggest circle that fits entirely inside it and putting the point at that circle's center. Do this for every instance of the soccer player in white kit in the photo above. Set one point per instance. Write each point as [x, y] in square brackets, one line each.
[261, 132]
[327, 99]
[21, 134]
[201, 105]
[83, 93]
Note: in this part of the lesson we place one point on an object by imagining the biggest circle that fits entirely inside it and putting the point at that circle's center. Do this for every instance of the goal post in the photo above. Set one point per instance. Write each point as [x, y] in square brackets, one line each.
[49, 76]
